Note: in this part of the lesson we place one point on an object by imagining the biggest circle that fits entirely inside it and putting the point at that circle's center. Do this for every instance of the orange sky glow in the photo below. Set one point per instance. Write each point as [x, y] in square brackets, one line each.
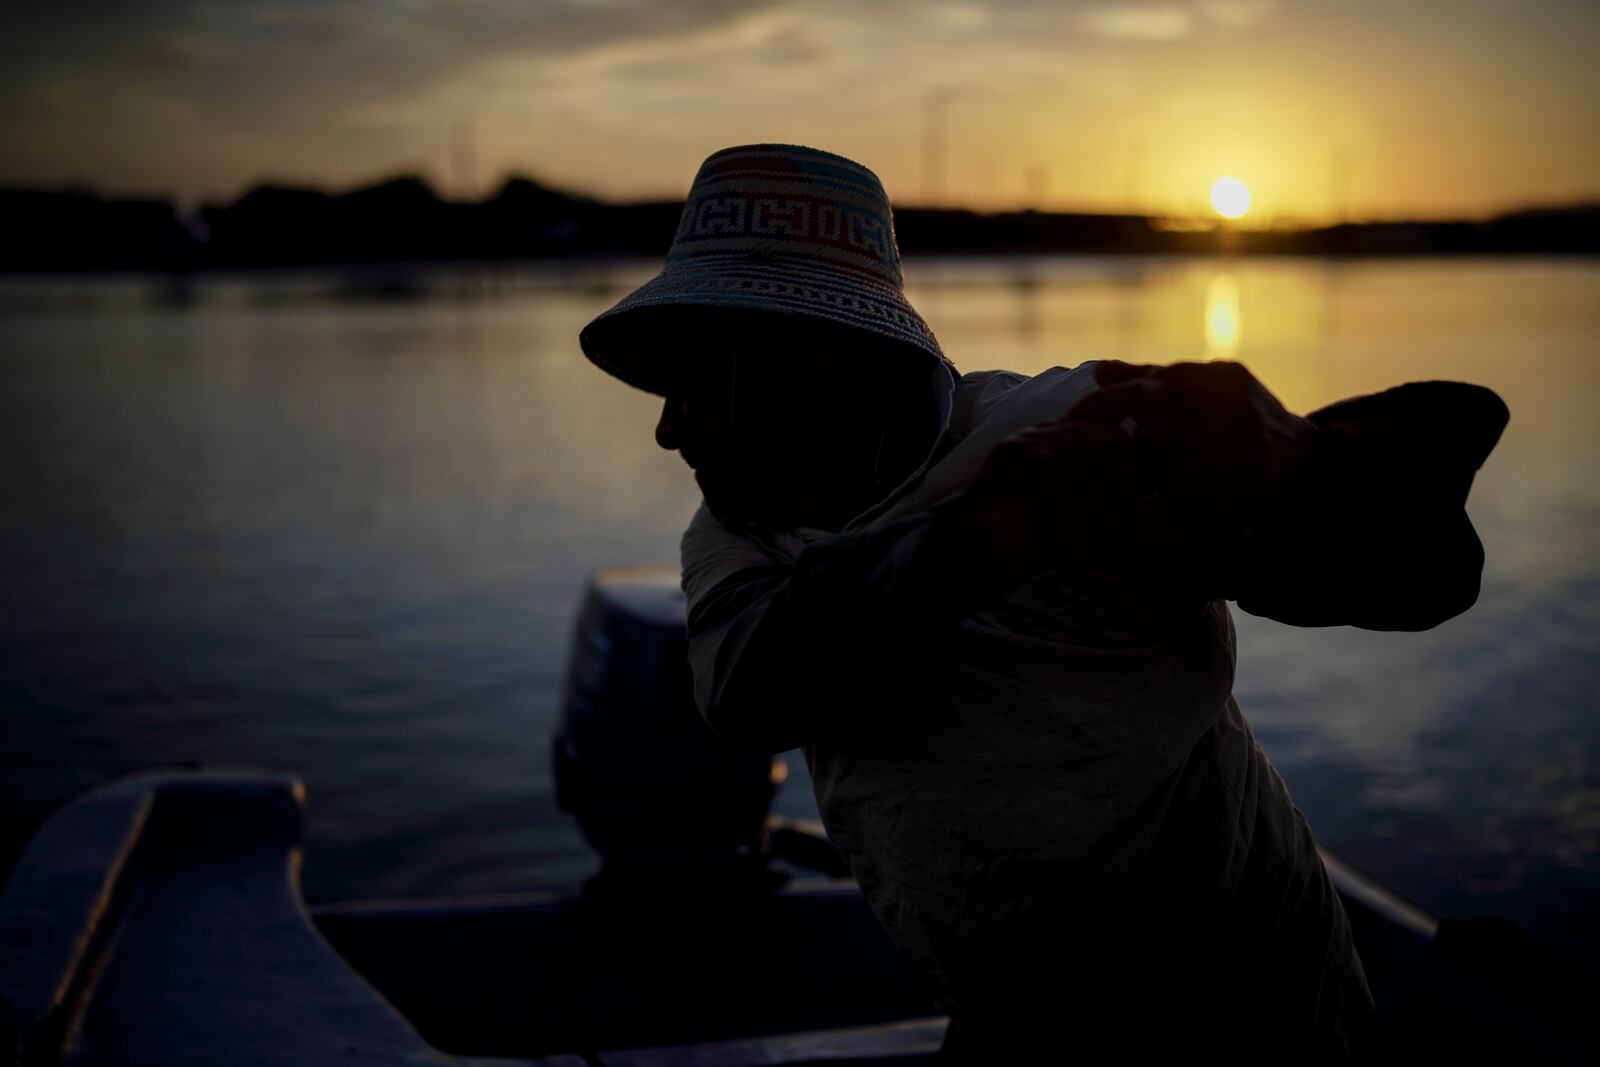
[1362, 109]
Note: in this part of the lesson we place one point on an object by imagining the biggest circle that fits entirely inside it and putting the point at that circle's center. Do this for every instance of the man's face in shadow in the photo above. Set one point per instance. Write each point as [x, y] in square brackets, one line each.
[783, 421]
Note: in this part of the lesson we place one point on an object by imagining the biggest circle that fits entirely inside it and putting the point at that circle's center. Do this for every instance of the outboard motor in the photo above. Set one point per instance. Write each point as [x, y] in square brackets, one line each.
[654, 791]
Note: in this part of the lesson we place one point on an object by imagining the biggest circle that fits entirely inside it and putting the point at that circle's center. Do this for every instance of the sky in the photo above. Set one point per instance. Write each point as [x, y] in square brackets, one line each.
[1326, 109]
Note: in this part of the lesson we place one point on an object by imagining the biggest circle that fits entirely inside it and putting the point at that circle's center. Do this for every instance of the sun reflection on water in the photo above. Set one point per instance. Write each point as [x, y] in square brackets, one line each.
[1222, 317]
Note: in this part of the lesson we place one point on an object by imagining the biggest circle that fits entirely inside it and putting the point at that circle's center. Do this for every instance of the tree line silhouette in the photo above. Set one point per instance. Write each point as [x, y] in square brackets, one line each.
[403, 219]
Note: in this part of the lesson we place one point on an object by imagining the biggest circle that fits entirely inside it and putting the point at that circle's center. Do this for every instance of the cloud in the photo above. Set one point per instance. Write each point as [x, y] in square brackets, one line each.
[205, 97]
[1140, 22]
[961, 16]
[1236, 14]
[603, 94]
[241, 61]
[624, 97]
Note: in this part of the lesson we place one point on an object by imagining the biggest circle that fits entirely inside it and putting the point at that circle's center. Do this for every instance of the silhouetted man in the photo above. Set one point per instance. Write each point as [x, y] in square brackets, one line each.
[991, 610]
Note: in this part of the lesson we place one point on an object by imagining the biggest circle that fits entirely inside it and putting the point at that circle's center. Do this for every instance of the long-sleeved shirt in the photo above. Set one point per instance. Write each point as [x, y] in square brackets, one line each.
[1050, 798]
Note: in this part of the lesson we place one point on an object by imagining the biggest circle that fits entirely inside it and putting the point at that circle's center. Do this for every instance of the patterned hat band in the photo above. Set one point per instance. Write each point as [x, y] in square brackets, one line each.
[779, 228]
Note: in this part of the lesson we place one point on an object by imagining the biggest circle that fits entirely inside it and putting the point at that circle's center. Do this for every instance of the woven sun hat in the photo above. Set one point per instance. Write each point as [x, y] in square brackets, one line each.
[768, 228]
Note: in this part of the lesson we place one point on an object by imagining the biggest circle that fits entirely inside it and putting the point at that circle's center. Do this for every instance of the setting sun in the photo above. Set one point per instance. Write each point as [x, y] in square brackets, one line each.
[1230, 197]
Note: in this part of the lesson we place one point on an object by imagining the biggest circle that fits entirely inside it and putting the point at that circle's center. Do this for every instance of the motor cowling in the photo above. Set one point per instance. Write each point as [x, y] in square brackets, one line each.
[651, 786]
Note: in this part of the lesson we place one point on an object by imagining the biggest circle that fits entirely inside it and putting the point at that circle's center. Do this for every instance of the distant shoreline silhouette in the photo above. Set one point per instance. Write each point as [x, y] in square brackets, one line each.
[403, 219]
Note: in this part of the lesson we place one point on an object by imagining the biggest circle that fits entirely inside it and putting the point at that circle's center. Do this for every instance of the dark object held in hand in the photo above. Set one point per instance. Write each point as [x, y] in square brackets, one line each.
[1372, 529]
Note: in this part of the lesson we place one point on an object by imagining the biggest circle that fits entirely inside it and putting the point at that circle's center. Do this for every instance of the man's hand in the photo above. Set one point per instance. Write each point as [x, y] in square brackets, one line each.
[1162, 470]
[1213, 442]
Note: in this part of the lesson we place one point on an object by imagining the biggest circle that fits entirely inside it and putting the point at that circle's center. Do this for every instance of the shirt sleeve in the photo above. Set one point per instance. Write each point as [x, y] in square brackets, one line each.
[775, 633]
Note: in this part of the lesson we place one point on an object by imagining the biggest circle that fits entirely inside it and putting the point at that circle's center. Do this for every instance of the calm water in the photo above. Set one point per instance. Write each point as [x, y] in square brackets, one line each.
[266, 525]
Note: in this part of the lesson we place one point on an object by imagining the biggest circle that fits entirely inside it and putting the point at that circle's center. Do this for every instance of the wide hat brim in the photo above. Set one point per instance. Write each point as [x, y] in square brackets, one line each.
[625, 340]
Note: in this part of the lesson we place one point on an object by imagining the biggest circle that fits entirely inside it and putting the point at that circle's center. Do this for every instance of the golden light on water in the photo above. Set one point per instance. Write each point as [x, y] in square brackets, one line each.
[1230, 197]
[1222, 317]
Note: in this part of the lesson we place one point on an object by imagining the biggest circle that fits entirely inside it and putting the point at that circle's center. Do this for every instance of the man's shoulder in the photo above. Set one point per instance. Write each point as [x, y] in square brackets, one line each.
[983, 378]
[981, 394]
[1002, 380]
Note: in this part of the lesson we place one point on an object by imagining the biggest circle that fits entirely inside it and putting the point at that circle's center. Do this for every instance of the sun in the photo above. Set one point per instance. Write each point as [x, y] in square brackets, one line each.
[1231, 198]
